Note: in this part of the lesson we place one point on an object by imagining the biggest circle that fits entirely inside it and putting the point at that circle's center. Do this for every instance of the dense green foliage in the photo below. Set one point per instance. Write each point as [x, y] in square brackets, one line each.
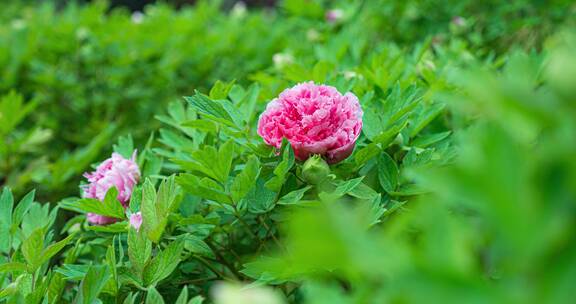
[461, 188]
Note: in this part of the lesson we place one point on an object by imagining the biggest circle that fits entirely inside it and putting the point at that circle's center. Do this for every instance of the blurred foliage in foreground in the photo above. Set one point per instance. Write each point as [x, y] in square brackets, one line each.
[462, 186]
[498, 223]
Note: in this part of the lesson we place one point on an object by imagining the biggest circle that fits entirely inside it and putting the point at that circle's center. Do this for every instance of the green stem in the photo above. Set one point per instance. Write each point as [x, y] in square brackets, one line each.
[212, 268]
[239, 217]
[269, 232]
[223, 261]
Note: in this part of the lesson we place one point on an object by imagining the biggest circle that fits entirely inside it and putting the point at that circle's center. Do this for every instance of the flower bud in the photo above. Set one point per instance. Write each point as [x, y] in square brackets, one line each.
[315, 170]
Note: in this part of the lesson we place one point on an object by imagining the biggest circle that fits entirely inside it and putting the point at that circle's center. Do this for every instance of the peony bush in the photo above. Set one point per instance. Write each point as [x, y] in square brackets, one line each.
[345, 168]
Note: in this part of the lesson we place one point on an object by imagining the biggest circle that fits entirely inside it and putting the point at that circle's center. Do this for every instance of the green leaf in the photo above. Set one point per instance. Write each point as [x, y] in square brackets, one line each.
[425, 116]
[92, 284]
[387, 172]
[260, 199]
[52, 250]
[183, 297]
[37, 216]
[34, 252]
[429, 139]
[347, 186]
[294, 196]
[202, 125]
[364, 154]
[163, 264]
[139, 249]
[363, 191]
[135, 199]
[166, 198]
[244, 181]
[153, 297]
[204, 188]
[275, 183]
[211, 162]
[73, 272]
[388, 136]
[174, 139]
[220, 89]
[6, 205]
[150, 218]
[218, 110]
[21, 209]
[112, 284]
[321, 71]
[13, 111]
[156, 207]
[196, 245]
[32, 247]
[25, 283]
[249, 101]
[38, 289]
[196, 300]
[125, 146]
[13, 266]
[111, 228]
[110, 207]
[376, 211]
[153, 164]
[130, 299]
[393, 206]
[415, 159]
[409, 190]
[224, 164]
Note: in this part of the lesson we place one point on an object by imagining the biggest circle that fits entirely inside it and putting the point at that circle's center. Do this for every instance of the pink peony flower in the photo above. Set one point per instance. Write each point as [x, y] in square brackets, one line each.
[116, 171]
[315, 119]
[136, 220]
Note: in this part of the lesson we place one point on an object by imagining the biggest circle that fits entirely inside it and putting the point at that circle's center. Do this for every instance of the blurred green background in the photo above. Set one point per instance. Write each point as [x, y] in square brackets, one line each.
[490, 141]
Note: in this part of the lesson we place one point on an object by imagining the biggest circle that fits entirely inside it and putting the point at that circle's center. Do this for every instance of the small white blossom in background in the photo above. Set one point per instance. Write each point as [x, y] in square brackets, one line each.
[458, 21]
[312, 35]
[82, 33]
[227, 293]
[238, 10]
[137, 17]
[430, 65]
[458, 25]
[18, 24]
[282, 59]
[334, 15]
[351, 74]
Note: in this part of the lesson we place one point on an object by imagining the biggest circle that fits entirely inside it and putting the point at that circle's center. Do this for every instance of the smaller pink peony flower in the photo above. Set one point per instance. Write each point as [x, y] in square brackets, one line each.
[315, 119]
[116, 171]
[136, 220]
